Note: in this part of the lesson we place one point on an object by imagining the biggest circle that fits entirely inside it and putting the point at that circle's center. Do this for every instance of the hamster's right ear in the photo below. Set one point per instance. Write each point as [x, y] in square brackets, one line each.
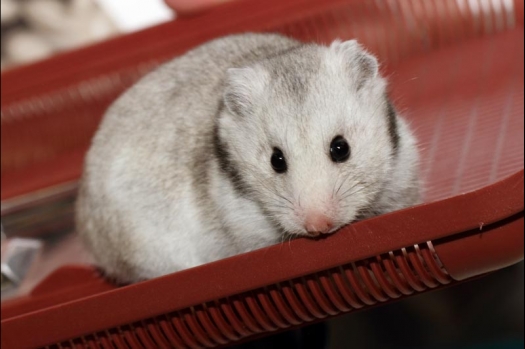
[242, 89]
[363, 66]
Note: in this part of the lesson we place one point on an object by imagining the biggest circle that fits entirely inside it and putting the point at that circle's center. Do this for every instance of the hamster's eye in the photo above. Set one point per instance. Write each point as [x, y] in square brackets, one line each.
[278, 161]
[339, 149]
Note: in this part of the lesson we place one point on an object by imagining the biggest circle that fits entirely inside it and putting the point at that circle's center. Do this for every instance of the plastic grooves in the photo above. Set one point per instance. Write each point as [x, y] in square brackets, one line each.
[117, 339]
[189, 340]
[258, 314]
[436, 272]
[248, 320]
[222, 325]
[82, 344]
[307, 300]
[130, 337]
[171, 335]
[383, 280]
[78, 344]
[332, 295]
[156, 334]
[295, 304]
[283, 308]
[270, 310]
[291, 303]
[144, 336]
[371, 285]
[414, 259]
[345, 289]
[237, 324]
[315, 290]
[359, 291]
[104, 340]
[209, 327]
[401, 262]
[395, 277]
[197, 330]
[90, 342]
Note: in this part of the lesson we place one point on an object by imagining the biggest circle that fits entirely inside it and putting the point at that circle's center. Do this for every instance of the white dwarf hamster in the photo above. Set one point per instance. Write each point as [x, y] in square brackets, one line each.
[239, 141]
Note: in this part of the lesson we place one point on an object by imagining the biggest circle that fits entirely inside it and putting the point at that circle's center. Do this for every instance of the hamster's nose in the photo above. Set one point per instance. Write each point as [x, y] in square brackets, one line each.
[317, 222]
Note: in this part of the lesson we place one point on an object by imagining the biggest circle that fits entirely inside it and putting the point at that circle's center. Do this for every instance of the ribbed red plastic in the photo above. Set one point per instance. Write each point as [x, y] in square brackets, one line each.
[456, 72]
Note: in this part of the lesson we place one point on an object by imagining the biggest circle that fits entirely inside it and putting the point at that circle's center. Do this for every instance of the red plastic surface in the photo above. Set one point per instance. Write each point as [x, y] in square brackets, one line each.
[456, 75]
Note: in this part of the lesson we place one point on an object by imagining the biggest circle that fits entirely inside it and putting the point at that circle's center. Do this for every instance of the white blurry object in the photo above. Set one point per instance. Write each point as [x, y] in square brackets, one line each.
[17, 257]
[101, 27]
[132, 15]
[9, 11]
[45, 14]
[68, 24]
[45, 27]
[23, 46]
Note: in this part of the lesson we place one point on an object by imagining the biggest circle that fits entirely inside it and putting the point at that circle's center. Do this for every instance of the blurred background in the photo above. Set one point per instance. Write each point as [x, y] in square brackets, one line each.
[38, 236]
[36, 29]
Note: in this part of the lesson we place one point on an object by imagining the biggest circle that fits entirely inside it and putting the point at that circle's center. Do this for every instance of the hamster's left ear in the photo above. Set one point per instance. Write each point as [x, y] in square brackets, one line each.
[243, 88]
[362, 66]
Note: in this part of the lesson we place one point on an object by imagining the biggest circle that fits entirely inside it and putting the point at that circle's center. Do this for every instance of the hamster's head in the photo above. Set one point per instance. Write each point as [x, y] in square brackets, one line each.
[309, 135]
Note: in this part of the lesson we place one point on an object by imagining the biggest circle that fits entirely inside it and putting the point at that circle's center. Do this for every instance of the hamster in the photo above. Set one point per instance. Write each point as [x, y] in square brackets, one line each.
[236, 144]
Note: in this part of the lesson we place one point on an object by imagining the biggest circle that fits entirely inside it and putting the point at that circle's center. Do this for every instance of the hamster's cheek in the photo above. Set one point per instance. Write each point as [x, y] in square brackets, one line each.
[346, 215]
[356, 198]
[289, 223]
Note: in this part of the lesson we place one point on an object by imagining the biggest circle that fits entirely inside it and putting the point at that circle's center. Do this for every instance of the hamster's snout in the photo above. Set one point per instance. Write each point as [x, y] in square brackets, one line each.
[318, 223]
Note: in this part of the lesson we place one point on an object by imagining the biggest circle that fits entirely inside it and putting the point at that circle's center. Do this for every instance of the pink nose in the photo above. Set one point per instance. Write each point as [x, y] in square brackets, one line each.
[317, 222]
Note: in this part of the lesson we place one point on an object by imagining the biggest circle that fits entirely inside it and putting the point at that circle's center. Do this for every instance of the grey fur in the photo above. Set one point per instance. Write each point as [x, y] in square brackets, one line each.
[226, 164]
[393, 130]
[178, 173]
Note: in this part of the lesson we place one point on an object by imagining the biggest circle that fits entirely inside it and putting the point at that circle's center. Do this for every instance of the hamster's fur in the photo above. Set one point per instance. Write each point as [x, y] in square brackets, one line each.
[179, 172]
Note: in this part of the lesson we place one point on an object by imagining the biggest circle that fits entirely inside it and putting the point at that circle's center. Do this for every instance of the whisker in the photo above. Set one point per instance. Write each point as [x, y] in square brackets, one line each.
[358, 189]
[288, 203]
[351, 187]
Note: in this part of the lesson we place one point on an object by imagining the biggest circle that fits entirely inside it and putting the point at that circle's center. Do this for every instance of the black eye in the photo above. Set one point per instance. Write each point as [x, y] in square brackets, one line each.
[278, 161]
[339, 149]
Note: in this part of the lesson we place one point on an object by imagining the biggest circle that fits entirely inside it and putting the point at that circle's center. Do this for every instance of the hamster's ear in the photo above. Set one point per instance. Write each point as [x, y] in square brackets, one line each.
[362, 66]
[242, 89]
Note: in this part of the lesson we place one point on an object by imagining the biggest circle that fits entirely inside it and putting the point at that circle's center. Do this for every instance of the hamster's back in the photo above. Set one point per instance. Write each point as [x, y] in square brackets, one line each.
[143, 190]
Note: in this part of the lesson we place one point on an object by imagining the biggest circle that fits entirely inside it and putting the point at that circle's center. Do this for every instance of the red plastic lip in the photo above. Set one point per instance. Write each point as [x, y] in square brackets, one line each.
[362, 240]
[66, 284]
[482, 250]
